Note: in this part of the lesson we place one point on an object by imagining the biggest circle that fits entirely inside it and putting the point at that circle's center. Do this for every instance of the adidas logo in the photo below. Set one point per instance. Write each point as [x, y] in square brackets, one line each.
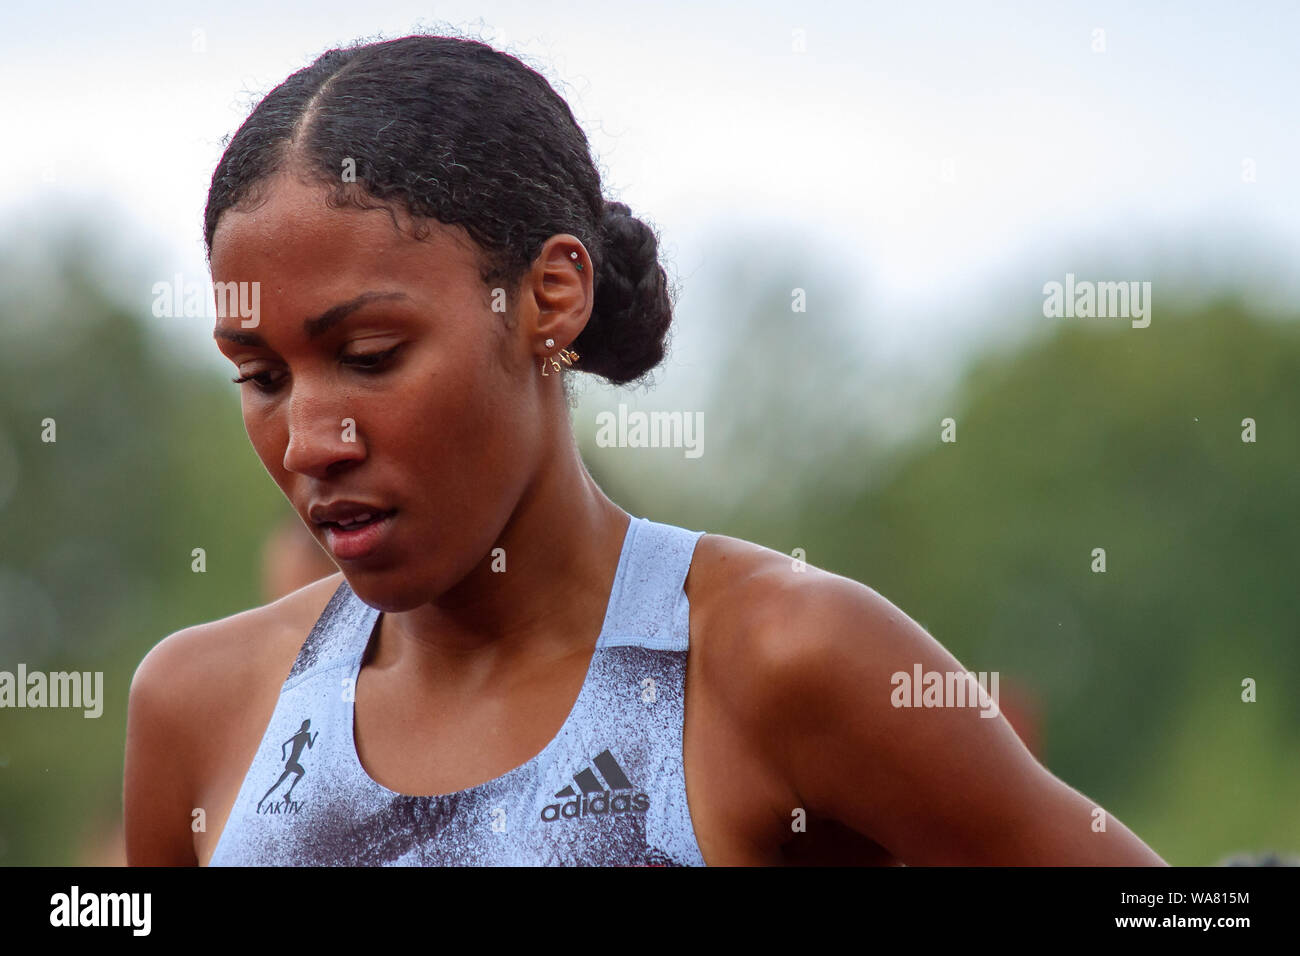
[603, 801]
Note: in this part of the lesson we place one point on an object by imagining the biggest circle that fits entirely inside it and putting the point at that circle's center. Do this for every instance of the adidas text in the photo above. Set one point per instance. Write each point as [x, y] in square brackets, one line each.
[602, 802]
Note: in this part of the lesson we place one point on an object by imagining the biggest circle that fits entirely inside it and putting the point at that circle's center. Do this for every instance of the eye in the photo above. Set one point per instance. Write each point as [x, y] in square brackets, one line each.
[260, 381]
[370, 361]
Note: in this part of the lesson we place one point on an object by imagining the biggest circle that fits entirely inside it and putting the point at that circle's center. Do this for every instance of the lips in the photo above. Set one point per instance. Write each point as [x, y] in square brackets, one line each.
[344, 513]
[359, 520]
[360, 539]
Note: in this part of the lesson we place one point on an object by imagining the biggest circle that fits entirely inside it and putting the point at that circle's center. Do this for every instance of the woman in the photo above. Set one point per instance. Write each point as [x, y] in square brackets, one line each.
[509, 668]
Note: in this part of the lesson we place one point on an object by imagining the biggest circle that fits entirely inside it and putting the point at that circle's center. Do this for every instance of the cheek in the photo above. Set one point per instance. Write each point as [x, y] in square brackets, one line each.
[452, 425]
[470, 433]
[265, 437]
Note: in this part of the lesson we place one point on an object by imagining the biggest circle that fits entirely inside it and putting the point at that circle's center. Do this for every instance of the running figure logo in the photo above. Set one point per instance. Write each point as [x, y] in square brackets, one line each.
[299, 740]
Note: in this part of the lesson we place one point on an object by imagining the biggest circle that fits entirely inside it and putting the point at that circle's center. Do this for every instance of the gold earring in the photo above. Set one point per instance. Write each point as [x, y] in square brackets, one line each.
[568, 356]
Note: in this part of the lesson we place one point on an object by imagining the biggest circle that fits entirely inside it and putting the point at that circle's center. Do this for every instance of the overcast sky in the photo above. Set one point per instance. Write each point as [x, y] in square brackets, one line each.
[933, 155]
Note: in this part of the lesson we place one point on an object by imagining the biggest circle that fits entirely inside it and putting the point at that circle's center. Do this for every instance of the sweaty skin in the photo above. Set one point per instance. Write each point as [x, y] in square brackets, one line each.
[788, 688]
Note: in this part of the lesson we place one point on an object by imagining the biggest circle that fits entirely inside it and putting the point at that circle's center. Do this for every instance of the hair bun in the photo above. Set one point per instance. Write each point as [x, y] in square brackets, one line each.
[624, 339]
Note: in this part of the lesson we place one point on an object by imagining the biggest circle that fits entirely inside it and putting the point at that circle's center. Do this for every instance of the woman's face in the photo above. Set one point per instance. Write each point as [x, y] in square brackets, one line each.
[380, 376]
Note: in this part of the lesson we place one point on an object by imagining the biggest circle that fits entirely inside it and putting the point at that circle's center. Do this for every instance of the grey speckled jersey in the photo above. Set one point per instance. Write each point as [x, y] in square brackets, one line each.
[608, 790]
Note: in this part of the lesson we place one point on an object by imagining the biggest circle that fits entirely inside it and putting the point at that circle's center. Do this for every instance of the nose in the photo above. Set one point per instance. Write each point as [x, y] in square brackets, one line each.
[322, 438]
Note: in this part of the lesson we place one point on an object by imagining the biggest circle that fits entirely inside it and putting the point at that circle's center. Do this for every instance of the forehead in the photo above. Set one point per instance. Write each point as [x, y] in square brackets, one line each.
[290, 238]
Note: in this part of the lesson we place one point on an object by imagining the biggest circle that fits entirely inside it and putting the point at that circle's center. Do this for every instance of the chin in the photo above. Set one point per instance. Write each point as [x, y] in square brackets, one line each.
[389, 592]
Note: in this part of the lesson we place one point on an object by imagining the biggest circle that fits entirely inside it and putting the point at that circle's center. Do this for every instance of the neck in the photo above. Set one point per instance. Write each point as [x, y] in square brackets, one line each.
[561, 546]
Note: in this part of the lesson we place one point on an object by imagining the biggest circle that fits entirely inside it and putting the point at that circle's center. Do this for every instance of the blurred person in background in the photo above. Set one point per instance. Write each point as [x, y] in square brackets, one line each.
[292, 558]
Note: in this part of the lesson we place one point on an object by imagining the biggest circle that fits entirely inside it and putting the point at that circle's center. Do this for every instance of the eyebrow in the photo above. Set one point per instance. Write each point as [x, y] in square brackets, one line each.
[314, 327]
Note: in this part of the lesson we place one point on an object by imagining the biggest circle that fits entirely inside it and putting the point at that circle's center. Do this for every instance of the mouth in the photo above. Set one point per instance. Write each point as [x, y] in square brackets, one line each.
[358, 536]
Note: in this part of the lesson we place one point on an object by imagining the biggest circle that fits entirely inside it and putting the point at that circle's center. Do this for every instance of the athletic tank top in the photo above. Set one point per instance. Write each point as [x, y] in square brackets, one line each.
[608, 790]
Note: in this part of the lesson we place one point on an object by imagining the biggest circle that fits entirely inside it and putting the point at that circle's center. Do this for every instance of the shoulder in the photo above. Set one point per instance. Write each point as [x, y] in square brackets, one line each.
[773, 611]
[197, 659]
[187, 698]
[806, 651]
[811, 664]
[805, 659]
[780, 630]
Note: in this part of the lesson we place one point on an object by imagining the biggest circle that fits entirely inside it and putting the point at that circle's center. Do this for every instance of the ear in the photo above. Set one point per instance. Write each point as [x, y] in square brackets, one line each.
[560, 286]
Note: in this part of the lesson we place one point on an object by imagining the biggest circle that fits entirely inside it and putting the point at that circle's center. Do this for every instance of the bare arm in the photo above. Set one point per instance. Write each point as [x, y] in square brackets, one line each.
[933, 785]
[156, 796]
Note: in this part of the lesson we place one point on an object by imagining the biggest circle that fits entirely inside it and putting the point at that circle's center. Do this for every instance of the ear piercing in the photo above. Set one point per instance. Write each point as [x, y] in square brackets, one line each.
[567, 355]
